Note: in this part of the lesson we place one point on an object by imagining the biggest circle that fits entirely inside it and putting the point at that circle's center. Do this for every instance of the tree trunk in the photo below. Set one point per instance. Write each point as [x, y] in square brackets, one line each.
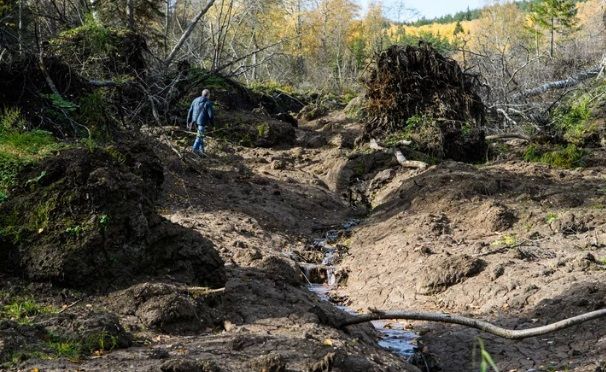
[166, 26]
[93, 10]
[20, 28]
[552, 37]
[187, 33]
[130, 14]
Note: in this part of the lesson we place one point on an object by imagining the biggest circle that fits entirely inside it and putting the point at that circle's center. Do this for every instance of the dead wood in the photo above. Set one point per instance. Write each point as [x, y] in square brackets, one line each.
[374, 145]
[561, 84]
[512, 334]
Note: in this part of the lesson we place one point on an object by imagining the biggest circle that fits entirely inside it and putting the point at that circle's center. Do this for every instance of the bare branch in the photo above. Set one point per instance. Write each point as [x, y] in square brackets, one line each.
[187, 33]
[512, 334]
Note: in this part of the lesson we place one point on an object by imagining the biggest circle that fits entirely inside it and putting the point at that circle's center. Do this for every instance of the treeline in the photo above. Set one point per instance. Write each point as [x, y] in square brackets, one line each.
[319, 44]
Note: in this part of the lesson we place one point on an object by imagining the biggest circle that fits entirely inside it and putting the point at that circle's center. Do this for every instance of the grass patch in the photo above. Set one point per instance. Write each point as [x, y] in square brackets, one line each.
[23, 310]
[60, 348]
[551, 217]
[561, 157]
[507, 240]
[19, 148]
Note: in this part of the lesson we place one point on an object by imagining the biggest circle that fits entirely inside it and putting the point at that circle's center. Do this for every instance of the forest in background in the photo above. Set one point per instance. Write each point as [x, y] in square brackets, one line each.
[319, 44]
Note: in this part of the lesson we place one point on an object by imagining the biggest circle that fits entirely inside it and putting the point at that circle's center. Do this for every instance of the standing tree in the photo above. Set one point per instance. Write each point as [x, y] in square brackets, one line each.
[556, 16]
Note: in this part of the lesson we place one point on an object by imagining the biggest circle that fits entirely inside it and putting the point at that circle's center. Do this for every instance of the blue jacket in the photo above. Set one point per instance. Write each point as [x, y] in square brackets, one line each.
[201, 111]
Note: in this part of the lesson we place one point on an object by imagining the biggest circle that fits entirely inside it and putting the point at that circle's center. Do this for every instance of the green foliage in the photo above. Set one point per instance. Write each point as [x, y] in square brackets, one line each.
[262, 130]
[486, 361]
[12, 120]
[23, 309]
[465, 15]
[440, 42]
[61, 103]
[17, 149]
[557, 15]
[3, 197]
[271, 87]
[507, 240]
[60, 348]
[104, 221]
[574, 121]
[562, 157]
[206, 80]
[414, 123]
[96, 38]
[75, 231]
[551, 217]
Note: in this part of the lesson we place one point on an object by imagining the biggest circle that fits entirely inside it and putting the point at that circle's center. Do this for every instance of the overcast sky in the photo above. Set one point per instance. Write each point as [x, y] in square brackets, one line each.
[427, 8]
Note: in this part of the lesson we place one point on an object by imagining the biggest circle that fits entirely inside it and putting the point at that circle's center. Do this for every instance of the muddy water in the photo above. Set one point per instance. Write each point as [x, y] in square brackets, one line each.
[393, 336]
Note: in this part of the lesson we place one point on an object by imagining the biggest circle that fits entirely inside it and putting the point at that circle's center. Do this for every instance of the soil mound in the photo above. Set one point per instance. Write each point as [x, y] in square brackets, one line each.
[416, 92]
[86, 217]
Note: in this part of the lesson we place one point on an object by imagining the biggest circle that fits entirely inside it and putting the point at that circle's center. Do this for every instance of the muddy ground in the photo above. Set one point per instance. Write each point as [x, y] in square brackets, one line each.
[517, 243]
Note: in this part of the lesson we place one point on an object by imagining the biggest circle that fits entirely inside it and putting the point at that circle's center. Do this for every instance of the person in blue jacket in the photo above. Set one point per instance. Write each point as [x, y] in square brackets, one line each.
[201, 113]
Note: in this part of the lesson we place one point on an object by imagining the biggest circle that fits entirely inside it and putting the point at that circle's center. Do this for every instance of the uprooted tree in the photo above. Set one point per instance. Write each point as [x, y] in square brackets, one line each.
[415, 93]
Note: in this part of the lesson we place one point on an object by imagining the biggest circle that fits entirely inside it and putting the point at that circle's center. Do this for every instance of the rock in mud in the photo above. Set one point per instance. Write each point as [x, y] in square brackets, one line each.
[494, 217]
[282, 269]
[94, 330]
[164, 307]
[271, 362]
[15, 337]
[86, 218]
[275, 133]
[444, 272]
[189, 365]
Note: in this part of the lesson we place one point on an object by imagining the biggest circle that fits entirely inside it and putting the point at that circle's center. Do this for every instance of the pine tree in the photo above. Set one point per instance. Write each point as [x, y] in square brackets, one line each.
[556, 16]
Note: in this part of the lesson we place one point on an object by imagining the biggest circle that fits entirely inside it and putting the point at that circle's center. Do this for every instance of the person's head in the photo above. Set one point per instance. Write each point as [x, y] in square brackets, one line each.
[206, 93]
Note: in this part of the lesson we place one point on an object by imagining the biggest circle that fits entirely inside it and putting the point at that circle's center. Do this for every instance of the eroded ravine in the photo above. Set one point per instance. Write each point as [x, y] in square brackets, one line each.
[394, 337]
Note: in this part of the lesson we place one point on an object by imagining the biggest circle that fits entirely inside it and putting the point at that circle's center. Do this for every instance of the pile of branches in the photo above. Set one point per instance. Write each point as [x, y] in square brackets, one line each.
[409, 81]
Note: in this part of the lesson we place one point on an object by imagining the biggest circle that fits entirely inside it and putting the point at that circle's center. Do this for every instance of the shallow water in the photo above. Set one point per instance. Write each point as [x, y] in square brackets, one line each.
[394, 337]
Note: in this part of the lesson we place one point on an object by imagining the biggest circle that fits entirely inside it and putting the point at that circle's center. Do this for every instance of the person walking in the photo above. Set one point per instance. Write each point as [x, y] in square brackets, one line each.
[201, 113]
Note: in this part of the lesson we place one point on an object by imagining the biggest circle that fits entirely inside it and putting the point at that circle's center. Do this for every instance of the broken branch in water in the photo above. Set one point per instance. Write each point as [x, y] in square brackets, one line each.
[512, 334]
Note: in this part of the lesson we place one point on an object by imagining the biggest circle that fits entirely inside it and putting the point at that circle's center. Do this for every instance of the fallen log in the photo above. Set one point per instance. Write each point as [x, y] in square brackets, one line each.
[511, 334]
[496, 137]
[374, 145]
[409, 163]
[561, 84]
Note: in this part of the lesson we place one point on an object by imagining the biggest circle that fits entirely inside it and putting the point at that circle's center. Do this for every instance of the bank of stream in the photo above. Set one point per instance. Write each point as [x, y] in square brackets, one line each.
[394, 337]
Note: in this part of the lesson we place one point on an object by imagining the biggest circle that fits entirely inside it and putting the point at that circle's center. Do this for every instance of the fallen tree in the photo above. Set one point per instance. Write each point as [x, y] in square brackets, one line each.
[561, 84]
[416, 92]
[512, 334]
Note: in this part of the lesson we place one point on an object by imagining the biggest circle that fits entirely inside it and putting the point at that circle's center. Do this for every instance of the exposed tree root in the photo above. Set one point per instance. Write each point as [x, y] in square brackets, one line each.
[512, 334]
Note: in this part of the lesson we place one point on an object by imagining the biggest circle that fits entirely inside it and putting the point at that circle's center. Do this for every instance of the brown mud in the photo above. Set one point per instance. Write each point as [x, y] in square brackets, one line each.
[516, 243]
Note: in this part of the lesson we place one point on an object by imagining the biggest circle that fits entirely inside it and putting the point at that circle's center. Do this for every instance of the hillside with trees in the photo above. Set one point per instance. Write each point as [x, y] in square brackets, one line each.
[297, 185]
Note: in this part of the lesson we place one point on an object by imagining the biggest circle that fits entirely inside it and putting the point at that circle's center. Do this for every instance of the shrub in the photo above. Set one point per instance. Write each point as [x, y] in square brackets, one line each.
[562, 157]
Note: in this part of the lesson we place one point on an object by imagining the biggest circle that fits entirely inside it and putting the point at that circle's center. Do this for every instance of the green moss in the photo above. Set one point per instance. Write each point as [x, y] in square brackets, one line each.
[271, 86]
[561, 157]
[262, 130]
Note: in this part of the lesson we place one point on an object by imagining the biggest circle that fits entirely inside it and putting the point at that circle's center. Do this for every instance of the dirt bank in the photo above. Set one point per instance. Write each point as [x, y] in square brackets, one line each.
[256, 208]
[521, 244]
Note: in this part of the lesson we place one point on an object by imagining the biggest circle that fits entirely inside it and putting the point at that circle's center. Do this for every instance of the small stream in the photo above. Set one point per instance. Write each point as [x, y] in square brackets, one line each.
[394, 337]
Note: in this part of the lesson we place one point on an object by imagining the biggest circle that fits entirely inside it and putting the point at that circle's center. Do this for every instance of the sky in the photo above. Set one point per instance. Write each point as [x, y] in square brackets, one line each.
[426, 8]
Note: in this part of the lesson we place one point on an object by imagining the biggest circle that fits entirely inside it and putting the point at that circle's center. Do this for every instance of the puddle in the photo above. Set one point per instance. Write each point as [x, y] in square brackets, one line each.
[394, 337]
